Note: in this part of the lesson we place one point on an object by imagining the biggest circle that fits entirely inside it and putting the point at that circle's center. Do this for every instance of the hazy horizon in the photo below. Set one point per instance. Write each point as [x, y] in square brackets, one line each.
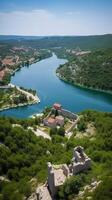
[55, 35]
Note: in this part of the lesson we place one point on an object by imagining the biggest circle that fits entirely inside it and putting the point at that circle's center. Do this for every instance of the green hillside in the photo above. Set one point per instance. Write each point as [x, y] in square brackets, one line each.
[23, 156]
[93, 70]
[84, 42]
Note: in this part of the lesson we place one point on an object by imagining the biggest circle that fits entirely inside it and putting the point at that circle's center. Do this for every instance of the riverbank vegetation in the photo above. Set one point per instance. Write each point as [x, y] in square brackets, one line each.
[93, 70]
[15, 53]
[13, 97]
[24, 157]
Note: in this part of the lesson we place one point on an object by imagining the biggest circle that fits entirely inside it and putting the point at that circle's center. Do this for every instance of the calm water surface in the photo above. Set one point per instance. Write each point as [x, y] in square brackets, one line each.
[41, 77]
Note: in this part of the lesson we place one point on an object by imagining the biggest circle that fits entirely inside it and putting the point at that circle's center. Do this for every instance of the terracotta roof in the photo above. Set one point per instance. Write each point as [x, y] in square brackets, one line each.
[2, 73]
[51, 120]
[60, 117]
[57, 106]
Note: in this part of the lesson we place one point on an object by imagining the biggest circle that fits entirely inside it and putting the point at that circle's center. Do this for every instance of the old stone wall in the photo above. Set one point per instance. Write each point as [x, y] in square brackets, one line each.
[67, 113]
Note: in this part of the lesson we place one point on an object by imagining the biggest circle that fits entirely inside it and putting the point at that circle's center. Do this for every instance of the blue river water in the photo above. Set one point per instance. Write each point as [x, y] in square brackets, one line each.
[41, 76]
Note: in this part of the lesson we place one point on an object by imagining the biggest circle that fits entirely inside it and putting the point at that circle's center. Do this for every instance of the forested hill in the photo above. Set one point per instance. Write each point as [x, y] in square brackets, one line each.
[24, 157]
[17, 37]
[84, 42]
[93, 70]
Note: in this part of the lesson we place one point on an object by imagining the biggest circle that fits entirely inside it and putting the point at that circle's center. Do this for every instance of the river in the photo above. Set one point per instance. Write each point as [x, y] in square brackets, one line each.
[41, 76]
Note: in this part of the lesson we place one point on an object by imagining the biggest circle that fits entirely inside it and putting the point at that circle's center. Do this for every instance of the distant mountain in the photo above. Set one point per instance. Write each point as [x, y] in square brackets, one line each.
[17, 37]
[84, 42]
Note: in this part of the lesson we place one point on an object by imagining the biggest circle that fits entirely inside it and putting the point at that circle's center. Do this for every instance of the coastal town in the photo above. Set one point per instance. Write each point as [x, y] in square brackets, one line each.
[12, 61]
[12, 58]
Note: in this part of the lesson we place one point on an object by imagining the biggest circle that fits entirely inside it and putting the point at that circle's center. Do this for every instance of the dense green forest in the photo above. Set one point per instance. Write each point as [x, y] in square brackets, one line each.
[93, 70]
[85, 42]
[23, 157]
[12, 97]
[6, 49]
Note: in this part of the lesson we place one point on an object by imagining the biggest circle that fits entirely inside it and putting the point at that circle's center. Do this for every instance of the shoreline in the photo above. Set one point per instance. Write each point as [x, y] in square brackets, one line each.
[20, 66]
[16, 106]
[34, 97]
[82, 86]
[36, 115]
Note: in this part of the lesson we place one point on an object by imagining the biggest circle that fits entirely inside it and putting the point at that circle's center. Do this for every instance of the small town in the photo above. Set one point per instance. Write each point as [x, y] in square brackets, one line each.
[17, 57]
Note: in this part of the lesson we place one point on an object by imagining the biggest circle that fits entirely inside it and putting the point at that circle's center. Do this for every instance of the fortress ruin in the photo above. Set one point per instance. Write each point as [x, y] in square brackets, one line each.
[57, 174]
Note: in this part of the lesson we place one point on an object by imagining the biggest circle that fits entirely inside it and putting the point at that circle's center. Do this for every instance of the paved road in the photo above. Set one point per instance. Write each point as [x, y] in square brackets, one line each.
[29, 95]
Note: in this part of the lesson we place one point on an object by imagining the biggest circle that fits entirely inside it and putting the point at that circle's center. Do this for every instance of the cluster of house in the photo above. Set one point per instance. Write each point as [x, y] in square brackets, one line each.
[3, 72]
[10, 60]
[6, 63]
[57, 174]
[77, 51]
[57, 116]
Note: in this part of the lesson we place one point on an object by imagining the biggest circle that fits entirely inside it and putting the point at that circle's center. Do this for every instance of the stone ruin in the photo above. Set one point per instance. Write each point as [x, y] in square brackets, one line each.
[80, 161]
[57, 174]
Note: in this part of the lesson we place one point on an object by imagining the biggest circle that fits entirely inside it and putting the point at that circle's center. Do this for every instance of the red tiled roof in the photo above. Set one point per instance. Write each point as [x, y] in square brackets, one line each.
[57, 106]
[51, 120]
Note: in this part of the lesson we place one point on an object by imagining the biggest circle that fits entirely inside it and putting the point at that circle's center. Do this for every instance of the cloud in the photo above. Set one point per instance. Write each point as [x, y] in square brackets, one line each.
[44, 22]
[36, 22]
[73, 13]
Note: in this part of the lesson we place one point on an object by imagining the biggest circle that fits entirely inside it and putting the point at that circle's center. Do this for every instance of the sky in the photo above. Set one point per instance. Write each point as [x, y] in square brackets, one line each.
[55, 17]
